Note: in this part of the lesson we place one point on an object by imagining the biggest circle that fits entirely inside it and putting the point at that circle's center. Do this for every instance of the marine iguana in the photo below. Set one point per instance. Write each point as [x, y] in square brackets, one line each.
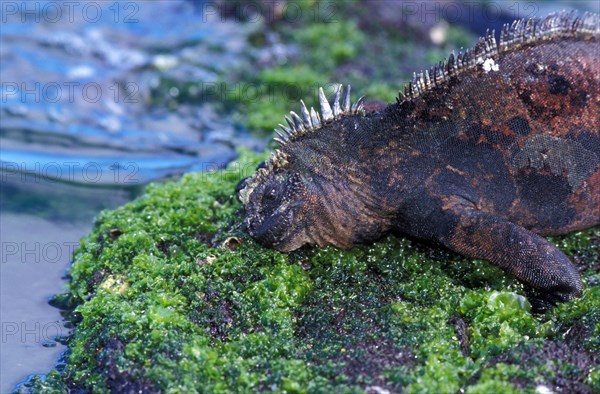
[484, 153]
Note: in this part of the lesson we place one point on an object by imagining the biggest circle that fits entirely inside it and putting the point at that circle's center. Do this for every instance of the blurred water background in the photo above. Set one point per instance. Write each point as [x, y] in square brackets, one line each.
[97, 99]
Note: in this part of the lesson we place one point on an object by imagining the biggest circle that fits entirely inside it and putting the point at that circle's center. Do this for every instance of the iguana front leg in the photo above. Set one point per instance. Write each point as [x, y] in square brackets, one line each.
[518, 251]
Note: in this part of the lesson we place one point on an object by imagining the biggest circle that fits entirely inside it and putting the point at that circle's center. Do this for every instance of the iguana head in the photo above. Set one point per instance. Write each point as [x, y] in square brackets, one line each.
[287, 201]
[277, 208]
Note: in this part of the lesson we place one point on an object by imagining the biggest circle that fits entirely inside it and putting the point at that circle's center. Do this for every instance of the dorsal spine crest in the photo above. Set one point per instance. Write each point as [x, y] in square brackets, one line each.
[312, 120]
[519, 33]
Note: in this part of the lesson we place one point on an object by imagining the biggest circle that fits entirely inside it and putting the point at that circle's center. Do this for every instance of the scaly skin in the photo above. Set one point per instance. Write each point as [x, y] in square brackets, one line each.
[484, 162]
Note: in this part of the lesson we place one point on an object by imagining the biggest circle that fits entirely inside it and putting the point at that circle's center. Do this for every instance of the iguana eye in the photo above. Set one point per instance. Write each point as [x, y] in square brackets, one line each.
[271, 194]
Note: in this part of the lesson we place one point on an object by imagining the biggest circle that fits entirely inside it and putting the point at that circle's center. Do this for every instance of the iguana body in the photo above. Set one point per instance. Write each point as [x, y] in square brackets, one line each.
[484, 154]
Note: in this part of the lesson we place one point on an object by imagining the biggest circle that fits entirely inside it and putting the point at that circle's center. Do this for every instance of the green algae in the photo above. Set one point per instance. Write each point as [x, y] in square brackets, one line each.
[329, 44]
[279, 88]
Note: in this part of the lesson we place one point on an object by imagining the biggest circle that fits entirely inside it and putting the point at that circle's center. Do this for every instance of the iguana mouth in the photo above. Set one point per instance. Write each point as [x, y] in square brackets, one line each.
[276, 231]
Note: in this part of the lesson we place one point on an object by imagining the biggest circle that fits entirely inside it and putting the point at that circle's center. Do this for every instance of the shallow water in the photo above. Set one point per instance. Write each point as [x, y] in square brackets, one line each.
[97, 99]
[36, 251]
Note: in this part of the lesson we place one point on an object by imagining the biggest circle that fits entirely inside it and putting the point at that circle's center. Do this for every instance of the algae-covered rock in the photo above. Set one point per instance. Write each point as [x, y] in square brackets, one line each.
[172, 296]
